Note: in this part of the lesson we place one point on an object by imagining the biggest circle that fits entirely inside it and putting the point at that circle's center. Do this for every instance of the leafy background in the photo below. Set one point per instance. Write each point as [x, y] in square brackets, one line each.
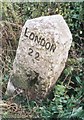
[66, 101]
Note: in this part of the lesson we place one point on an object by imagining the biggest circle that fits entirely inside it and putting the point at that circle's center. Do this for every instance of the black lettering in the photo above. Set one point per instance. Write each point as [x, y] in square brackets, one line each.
[47, 46]
[36, 55]
[25, 34]
[53, 47]
[42, 43]
[31, 36]
[36, 39]
[30, 51]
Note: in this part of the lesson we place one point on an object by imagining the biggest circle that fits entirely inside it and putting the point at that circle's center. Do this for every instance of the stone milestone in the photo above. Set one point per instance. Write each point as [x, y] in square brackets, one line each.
[41, 55]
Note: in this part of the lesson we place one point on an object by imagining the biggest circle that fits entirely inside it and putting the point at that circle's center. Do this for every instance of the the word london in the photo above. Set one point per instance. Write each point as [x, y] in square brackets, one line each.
[40, 40]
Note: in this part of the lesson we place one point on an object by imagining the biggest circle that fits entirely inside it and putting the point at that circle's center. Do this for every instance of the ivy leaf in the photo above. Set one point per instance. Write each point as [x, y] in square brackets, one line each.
[78, 113]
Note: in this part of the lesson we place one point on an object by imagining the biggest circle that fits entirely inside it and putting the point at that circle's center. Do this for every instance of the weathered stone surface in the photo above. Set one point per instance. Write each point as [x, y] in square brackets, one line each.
[41, 55]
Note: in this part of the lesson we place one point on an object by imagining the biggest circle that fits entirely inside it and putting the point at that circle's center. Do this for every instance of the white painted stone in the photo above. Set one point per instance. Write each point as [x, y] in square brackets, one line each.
[36, 68]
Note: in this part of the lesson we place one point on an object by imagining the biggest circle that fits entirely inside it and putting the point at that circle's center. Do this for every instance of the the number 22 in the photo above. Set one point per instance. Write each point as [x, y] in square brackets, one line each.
[31, 52]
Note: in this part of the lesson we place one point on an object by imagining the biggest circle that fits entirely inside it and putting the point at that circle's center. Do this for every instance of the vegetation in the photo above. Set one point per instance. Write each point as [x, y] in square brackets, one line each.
[66, 102]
